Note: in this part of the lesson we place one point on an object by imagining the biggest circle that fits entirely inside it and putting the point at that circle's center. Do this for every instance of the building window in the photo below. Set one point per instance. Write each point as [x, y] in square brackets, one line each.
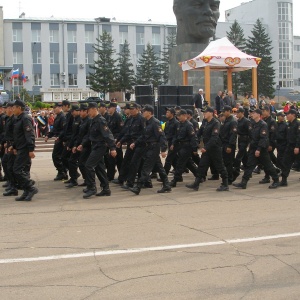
[285, 50]
[89, 58]
[36, 36]
[89, 37]
[285, 11]
[140, 38]
[297, 48]
[155, 38]
[53, 38]
[72, 79]
[297, 65]
[72, 58]
[54, 58]
[36, 58]
[54, 79]
[285, 31]
[123, 36]
[17, 35]
[87, 80]
[18, 57]
[72, 36]
[37, 79]
[286, 74]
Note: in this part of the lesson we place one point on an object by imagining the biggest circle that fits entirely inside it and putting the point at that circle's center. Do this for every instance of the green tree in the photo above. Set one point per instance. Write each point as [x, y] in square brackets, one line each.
[165, 60]
[125, 72]
[148, 68]
[237, 38]
[103, 79]
[259, 45]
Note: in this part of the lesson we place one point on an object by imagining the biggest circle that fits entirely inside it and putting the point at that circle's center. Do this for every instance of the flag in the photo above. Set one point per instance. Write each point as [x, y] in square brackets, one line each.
[23, 77]
[14, 74]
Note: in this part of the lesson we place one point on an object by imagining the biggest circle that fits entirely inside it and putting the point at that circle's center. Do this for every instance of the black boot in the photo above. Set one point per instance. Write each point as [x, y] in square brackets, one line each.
[224, 186]
[136, 189]
[214, 177]
[60, 176]
[104, 192]
[165, 188]
[275, 184]
[71, 184]
[194, 186]
[12, 192]
[89, 193]
[22, 197]
[283, 181]
[265, 180]
[173, 183]
[31, 193]
[242, 184]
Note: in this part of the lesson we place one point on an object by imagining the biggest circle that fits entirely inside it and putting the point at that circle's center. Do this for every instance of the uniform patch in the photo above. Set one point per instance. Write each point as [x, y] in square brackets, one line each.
[264, 132]
[216, 131]
[234, 129]
[159, 129]
[27, 128]
[105, 128]
[272, 127]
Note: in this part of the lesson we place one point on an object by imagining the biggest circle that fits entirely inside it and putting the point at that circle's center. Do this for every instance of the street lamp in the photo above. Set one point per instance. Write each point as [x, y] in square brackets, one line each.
[278, 89]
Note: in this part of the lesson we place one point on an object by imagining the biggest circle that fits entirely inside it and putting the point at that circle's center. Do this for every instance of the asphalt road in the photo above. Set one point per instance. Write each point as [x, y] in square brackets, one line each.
[241, 244]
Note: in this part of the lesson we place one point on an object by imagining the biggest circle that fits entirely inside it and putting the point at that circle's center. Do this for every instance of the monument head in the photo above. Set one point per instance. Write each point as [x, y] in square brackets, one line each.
[196, 20]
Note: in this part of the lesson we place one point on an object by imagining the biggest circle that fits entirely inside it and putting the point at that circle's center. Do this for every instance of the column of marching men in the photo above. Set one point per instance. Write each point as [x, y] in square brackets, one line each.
[89, 139]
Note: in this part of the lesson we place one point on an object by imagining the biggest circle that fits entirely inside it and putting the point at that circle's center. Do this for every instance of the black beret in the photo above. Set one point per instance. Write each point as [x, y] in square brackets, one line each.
[280, 114]
[57, 104]
[258, 111]
[112, 104]
[102, 104]
[171, 110]
[227, 108]
[292, 112]
[148, 108]
[66, 102]
[241, 110]
[182, 112]
[127, 106]
[75, 107]
[83, 106]
[134, 105]
[189, 112]
[209, 109]
[19, 103]
[92, 105]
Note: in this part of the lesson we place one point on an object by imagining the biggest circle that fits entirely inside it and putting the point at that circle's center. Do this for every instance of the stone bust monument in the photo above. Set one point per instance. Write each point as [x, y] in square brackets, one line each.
[196, 20]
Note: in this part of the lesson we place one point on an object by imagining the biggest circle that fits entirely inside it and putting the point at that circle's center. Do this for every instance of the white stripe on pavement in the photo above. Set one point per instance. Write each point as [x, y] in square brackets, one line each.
[149, 249]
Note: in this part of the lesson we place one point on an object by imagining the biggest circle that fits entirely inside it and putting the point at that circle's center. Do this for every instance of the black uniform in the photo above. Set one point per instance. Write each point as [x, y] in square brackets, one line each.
[2, 129]
[170, 133]
[57, 131]
[281, 137]
[293, 141]
[195, 157]
[24, 142]
[115, 124]
[99, 137]
[228, 135]
[132, 157]
[244, 128]
[259, 142]
[73, 159]
[213, 155]
[185, 143]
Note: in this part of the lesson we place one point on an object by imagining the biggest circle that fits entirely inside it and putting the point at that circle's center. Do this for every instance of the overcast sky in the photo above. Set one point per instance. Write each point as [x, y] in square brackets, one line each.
[123, 10]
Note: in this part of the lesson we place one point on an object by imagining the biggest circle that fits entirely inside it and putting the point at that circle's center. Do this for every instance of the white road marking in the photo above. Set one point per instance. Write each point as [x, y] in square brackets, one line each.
[149, 249]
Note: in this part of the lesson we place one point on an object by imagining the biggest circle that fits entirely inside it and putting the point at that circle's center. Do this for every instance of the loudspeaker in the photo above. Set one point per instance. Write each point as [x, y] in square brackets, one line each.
[143, 100]
[169, 101]
[185, 100]
[143, 90]
[185, 90]
[167, 90]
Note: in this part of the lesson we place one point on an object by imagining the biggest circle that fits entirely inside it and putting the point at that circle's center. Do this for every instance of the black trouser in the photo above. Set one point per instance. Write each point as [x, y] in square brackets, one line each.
[56, 157]
[20, 169]
[263, 159]
[95, 164]
[73, 165]
[84, 155]
[135, 164]
[288, 159]
[112, 162]
[151, 161]
[280, 154]
[212, 157]
[65, 156]
[123, 173]
[228, 159]
[8, 164]
[184, 152]
[241, 156]
[273, 160]
[170, 159]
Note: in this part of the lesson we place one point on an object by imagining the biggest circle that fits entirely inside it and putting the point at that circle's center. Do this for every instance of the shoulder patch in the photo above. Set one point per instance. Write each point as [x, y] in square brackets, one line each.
[234, 129]
[27, 128]
[216, 131]
[264, 132]
[105, 128]
[159, 129]
[272, 127]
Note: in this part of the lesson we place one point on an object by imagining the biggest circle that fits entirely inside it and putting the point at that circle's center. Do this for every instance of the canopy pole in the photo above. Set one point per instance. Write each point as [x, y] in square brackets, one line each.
[254, 82]
[207, 83]
[185, 78]
[229, 79]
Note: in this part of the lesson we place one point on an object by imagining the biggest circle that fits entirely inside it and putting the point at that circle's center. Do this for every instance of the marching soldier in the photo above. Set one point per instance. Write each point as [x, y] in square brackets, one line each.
[99, 137]
[258, 152]
[24, 144]
[281, 138]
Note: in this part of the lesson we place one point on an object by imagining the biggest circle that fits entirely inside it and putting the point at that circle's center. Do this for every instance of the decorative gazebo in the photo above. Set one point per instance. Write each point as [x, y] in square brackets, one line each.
[221, 55]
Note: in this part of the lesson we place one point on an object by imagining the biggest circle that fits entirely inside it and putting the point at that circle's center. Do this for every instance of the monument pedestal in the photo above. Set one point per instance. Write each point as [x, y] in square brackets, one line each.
[195, 78]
